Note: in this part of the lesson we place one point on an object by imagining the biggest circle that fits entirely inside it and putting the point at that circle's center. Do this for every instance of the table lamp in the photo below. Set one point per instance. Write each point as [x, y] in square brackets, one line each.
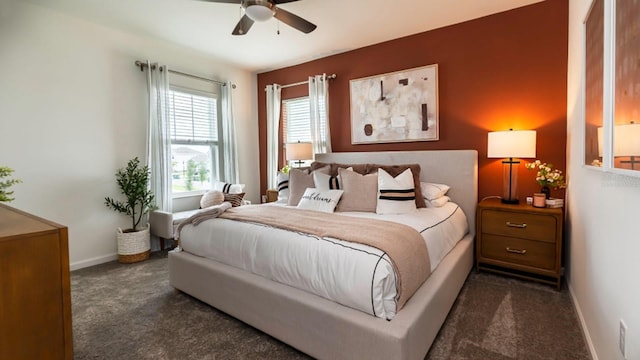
[298, 152]
[509, 145]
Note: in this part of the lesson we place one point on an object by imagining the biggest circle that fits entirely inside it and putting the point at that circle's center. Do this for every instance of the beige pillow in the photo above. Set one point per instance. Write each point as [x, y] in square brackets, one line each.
[299, 181]
[360, 191]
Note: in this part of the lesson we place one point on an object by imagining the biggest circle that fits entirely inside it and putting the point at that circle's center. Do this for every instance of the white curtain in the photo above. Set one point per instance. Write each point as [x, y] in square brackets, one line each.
[319, 103]
[158, 135]
[273, 120]
[230, 144]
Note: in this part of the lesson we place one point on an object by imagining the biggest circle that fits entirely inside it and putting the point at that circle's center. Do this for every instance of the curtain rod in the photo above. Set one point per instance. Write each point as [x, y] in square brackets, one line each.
[143, 64]
[332, 76]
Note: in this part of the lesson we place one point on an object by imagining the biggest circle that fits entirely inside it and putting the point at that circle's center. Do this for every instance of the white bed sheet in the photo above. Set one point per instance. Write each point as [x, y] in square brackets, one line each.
[353, 275]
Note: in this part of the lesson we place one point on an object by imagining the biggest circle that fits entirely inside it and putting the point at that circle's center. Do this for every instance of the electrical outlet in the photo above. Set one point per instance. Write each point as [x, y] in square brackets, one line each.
[623, 340]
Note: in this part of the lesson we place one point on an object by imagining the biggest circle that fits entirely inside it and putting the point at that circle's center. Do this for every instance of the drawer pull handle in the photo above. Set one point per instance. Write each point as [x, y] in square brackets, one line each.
[516, 251]
[519, 226]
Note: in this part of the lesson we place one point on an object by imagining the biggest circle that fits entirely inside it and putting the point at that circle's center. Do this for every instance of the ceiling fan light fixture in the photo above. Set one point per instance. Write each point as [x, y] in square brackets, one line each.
[259, 12]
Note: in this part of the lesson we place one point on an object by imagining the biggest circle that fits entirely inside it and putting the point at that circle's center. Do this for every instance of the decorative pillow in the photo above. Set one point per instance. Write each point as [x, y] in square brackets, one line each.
[283, 187]
[360, 191]
[432, 191]
[319, 200]
[299, 181]
[439, 202]
[228, 188]
[211, 198]
[234, 199]
[395, 195]
[328, 182]
[395, 170]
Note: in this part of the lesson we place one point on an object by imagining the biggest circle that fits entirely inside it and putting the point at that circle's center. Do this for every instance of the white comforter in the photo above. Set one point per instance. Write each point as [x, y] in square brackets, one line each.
[353, 275]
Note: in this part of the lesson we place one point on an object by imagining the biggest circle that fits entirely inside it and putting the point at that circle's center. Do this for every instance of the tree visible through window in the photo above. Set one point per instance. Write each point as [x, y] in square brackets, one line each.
[195, 120]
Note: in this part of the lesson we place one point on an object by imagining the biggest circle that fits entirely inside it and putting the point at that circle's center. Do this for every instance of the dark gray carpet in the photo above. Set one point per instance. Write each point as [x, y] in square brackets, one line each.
[131, 312]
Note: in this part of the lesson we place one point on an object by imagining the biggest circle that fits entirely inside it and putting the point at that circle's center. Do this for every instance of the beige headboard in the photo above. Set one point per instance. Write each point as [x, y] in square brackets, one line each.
[456, 168]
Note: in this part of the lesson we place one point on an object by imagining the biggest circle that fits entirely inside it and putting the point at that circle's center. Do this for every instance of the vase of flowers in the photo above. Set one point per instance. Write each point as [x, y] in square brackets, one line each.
[547, 176]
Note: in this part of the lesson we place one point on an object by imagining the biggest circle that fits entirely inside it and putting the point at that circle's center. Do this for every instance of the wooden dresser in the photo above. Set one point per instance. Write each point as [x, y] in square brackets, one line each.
[35, 295]
[519, 240]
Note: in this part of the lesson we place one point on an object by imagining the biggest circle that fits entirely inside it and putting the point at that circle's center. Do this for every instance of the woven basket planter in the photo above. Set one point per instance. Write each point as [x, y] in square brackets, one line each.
[133, 246]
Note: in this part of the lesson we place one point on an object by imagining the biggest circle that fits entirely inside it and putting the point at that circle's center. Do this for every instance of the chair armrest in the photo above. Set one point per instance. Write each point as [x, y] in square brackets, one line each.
[161, 223]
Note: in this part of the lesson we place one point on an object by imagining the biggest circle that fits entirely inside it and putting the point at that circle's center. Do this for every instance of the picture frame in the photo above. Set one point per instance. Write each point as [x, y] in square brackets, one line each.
[400, 106]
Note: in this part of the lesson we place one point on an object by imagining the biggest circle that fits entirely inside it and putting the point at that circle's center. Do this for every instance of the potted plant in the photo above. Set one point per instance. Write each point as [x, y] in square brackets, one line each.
[5, 194]
[134, 243]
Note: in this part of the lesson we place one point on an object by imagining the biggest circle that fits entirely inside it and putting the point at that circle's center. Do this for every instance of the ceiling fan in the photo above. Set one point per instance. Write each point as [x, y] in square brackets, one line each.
[263, 10]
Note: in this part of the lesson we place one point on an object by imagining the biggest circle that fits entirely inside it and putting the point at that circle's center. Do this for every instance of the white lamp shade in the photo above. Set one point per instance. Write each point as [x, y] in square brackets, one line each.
[299, 151]
[626, 140]
[512, 144]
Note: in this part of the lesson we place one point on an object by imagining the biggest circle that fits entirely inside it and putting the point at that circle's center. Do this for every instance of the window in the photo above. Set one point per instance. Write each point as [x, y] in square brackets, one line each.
[195, 139]
[296, 123]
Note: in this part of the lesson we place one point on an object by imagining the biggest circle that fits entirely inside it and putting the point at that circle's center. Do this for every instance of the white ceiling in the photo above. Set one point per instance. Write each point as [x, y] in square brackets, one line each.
[342, 25]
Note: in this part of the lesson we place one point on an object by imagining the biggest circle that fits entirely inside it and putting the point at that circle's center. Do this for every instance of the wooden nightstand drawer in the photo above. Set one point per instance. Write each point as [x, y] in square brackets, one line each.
[537, 254]
[521, 225]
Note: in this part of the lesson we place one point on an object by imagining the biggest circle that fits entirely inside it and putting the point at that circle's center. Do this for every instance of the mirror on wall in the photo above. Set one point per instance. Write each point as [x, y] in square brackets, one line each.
[612, 86]
[626, 119]
[594, 83]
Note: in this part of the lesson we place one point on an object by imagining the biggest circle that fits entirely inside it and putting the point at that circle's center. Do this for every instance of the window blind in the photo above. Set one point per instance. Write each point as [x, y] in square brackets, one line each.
[192, 117]
[295, 120]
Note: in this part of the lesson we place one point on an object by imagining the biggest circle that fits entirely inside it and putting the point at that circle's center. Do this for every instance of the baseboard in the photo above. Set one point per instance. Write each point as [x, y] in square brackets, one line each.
[583, 325]
[94, 261]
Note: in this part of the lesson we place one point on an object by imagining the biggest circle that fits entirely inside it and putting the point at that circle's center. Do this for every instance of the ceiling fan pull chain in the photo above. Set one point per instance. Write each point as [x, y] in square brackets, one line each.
[278, 32]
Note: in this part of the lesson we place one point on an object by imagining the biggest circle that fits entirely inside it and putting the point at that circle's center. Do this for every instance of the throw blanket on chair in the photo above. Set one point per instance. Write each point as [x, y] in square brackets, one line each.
[404, 245]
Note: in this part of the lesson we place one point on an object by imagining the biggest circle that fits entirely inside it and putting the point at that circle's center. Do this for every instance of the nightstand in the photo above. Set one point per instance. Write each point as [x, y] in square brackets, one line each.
[272, 195]
[519, 240]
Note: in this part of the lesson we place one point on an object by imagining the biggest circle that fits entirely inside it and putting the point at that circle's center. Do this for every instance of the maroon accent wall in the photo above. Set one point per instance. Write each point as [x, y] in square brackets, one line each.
[507, 70]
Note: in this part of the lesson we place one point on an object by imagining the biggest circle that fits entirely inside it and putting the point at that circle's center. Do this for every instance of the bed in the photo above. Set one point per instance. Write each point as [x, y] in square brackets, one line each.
[326, 329]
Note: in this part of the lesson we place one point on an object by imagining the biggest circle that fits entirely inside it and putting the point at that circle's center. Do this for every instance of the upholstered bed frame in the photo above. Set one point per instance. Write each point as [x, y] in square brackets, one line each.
[325, 329]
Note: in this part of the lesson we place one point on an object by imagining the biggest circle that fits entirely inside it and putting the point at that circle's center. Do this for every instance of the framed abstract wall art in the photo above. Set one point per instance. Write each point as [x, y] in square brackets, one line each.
[401, 106]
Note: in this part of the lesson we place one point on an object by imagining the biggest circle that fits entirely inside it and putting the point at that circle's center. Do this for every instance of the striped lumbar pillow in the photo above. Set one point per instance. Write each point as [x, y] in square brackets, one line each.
[395, 195]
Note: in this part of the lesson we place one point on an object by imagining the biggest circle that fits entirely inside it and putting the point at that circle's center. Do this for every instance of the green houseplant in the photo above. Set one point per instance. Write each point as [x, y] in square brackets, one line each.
[133, 180]
[5, 194]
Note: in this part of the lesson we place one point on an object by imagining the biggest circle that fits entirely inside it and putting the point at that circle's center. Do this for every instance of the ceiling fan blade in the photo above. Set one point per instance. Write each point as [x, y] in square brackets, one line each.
[243, 26]
[277, 2]
[294, 21]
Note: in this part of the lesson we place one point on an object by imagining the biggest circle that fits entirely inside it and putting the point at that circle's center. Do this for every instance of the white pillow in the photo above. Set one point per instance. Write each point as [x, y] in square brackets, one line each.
[432, 191]
[395, 195]
[439, 202]
[211, 198]
[227, 188]
[283, 187]
[318, 200]
[324, 181]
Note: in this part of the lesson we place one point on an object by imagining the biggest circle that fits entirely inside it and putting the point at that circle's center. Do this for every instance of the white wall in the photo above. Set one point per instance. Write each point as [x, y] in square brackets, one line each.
[603, 226]
[73, 110]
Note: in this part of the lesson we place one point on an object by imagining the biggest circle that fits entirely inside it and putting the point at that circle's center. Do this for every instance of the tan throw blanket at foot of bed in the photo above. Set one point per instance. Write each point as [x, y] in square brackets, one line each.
[404, 245]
